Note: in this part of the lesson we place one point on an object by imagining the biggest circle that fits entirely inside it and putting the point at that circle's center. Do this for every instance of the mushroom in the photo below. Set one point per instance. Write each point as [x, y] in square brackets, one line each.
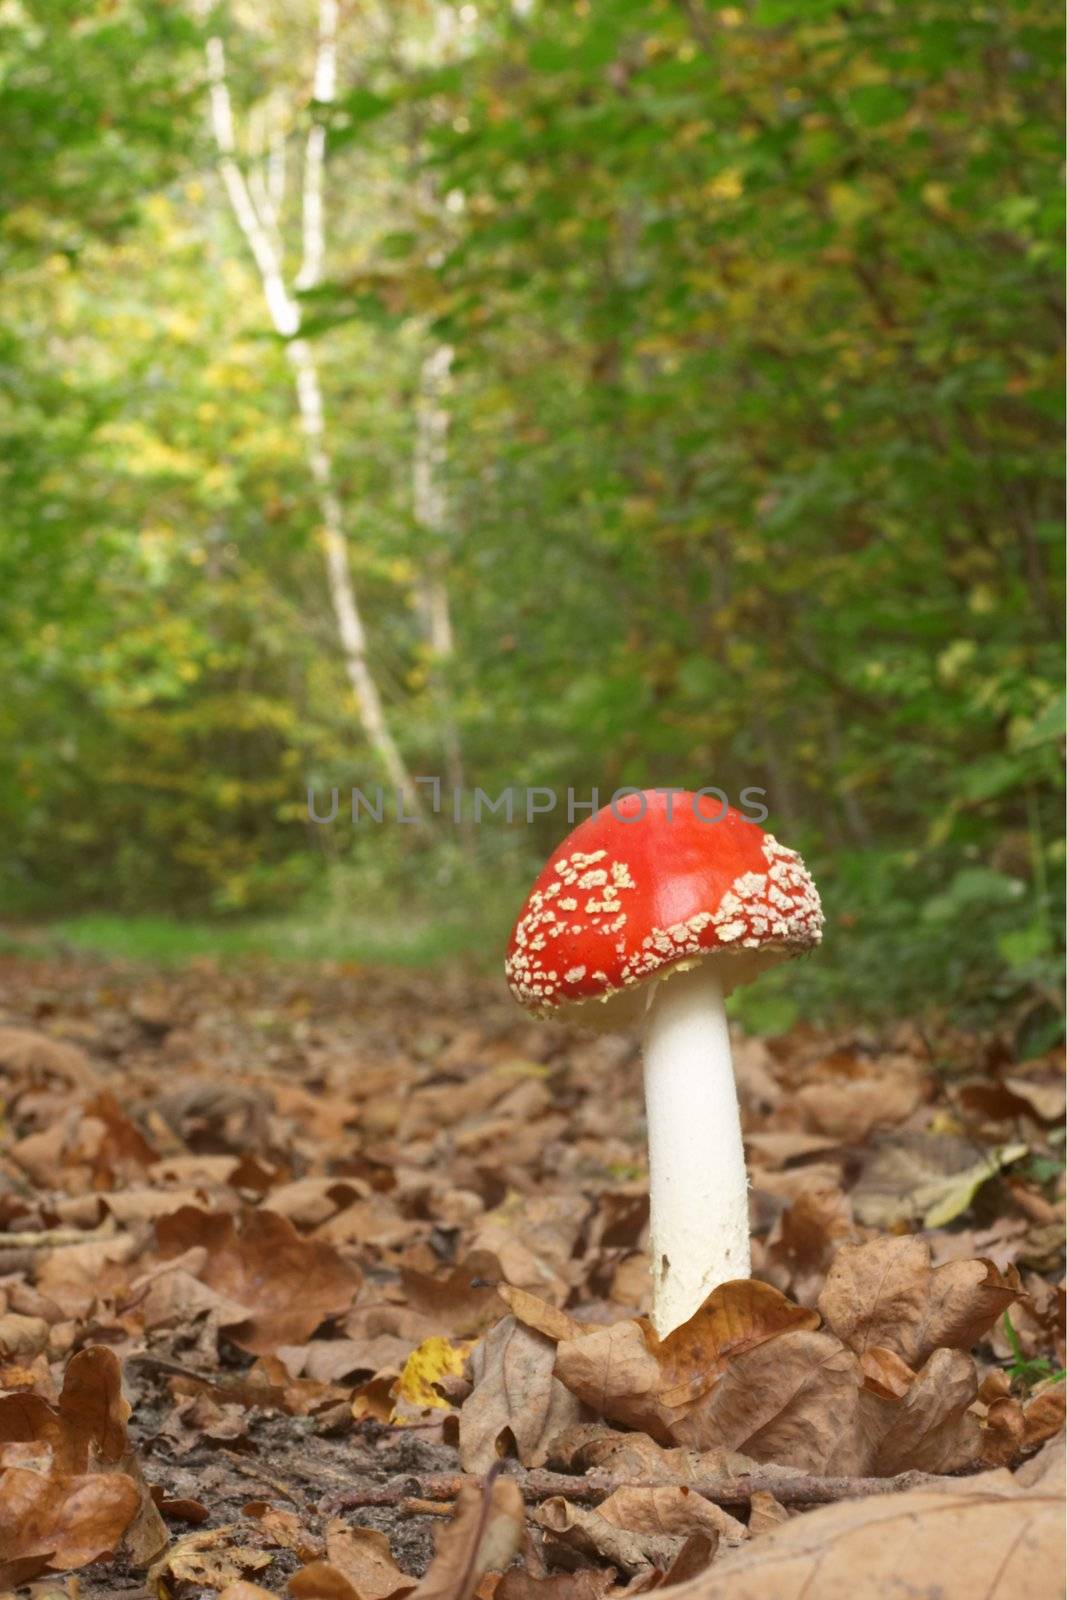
[654, 909]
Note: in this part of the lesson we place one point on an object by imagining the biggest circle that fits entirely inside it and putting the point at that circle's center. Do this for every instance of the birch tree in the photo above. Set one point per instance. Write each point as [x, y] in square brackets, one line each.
[430, 507]
[256, 209]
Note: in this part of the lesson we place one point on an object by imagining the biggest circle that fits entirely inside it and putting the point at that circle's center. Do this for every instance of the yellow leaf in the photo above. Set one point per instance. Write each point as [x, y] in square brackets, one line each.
[434, 1359]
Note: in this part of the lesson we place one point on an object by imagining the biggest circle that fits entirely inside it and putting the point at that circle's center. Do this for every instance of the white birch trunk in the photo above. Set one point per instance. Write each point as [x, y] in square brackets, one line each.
[430, 506]
[284, 311]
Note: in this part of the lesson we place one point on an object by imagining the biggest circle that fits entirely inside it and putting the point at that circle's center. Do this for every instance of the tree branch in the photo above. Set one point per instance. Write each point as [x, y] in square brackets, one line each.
[724, 1489]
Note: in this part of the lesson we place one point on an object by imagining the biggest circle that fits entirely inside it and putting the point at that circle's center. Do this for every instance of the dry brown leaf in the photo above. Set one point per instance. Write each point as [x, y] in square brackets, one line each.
[21, 1338]
[283, 1528]
[856, 1096]
[91, 1407]
[697, 1553]
[452, 1301]
[208, 1559]
[765, 1513]
[320, 1580]
[805, 1237]
[60, 1522]
[364, 1559]
[330, 1360]
[89, 1417]
[243, 1590]
[1048, 1469]
[1043, 1414]
[774, 1148]
[287, 1285]
[735, 1317]
[674, 1510]
[75, 1275]
[534, 1240]
[1004, 1433]
[987, 1538]
[483, 1536]
[25, 1054]
[573, 1534]
[613, 1370]
[634, 1456]
[885, 1373]
[628, 1375]
[916, 1175]
[928, 1429]
[793, 1400]
[539, 1315]
[886, 1293]
[588, 1583]
[308, 1202]
[516, 1399]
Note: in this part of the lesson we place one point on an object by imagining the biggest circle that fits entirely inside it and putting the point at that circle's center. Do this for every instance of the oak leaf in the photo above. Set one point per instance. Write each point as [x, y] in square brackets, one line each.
[516, 1398]
[886, 1293]
[629, 1375]
[60, 1522]
[287, 1285]
[989, 1536]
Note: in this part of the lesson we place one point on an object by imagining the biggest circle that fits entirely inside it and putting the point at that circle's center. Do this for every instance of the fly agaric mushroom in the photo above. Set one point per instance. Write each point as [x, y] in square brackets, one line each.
[652, 907]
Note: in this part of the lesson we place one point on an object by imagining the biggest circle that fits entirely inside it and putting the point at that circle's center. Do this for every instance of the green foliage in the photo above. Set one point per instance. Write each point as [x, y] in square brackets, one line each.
[753, 468]
[1028, 1370]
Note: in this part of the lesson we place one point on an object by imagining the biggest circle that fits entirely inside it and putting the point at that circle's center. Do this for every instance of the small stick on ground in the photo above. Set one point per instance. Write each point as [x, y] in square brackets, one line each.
[789, 1489]
[51, 1238]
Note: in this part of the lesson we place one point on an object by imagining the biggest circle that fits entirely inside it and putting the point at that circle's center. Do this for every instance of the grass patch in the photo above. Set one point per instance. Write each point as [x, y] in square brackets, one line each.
[162, 941]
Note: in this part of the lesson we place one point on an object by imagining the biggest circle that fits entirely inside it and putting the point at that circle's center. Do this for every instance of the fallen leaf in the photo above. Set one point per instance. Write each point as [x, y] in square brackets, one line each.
[452, 1301]
[60, 1522]
[88, 1419]
[25, 1054]
[574, 1533]
[539, 1315]
[483, 1536]
[765, 1513]
[283, 1528]
[287, 1285]
[925, 1178]
[364, 1559]
[855, 1096]
[588, 1583]
[22, 1338]
[792, 1400]
[629, 1375]
[673, 1510]
[930, 1427]
[986, 1537]
[431, 1361]
[516, 1399]
[320, 1580]
[886, 1293]
[91, 1407]
[1043, 1414]
[208, 1559]
[1004, 1433]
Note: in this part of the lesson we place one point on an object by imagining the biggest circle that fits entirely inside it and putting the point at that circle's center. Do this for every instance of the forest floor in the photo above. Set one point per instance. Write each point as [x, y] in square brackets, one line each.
[291, 1257]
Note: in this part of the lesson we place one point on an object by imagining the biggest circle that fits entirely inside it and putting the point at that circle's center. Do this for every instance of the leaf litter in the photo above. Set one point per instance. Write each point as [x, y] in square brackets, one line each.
[331, 1284]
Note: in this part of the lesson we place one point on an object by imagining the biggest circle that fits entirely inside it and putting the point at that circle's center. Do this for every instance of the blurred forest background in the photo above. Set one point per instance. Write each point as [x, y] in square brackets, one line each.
[670, 390]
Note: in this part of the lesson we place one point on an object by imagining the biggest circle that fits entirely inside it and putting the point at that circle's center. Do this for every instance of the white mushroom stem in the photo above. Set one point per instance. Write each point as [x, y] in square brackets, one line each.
[696, 1160]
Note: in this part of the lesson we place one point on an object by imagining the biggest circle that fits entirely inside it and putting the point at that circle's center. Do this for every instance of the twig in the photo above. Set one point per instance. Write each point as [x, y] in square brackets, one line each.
[724, 1489]
[48, 1238]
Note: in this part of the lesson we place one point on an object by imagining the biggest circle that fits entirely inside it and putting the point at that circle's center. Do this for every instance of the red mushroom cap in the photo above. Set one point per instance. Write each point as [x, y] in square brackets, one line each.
[653, 885]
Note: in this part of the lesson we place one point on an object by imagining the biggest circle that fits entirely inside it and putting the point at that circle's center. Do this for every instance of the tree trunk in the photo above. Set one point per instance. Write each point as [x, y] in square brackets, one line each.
[430, 504]
[285, 314]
